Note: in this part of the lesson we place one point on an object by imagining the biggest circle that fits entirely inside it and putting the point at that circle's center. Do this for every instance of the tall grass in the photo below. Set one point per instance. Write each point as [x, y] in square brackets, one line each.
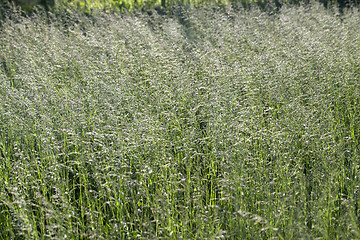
[202, 124]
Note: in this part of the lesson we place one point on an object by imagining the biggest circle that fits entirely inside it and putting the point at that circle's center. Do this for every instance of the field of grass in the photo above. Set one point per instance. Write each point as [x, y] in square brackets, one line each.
[198, 124]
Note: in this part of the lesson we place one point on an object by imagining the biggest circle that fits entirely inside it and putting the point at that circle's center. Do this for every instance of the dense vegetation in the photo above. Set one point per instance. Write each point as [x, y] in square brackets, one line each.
[199, 124]
[90, 6]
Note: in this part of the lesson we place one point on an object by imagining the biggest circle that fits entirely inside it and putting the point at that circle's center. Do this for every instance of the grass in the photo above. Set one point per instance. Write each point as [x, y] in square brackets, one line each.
[199, 124]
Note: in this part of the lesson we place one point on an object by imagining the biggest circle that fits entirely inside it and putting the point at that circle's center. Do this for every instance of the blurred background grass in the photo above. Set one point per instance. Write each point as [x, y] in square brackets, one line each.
[89, 6]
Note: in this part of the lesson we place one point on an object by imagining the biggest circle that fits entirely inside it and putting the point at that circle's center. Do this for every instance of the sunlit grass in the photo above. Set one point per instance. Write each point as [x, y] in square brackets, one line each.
[202, 124]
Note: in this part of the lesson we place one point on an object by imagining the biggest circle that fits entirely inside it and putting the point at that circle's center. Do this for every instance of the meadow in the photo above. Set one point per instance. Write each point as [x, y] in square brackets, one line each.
[201, 123]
